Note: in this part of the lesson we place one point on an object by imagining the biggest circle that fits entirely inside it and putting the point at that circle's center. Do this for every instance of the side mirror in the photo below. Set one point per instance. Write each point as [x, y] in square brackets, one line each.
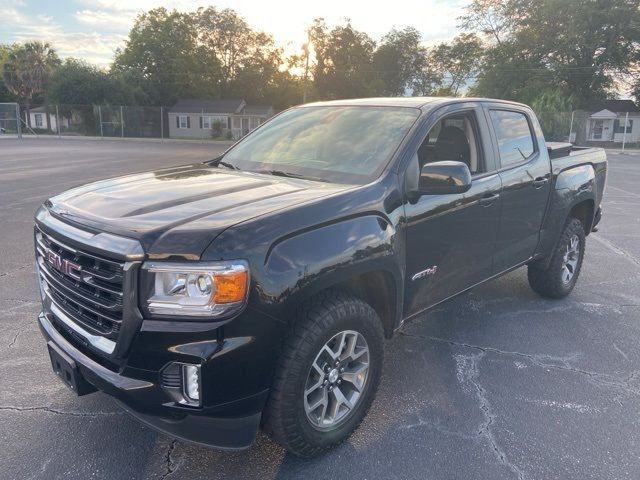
[442, 178]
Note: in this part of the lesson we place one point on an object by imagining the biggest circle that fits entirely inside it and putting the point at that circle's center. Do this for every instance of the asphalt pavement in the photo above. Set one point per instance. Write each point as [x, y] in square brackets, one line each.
[495, 384]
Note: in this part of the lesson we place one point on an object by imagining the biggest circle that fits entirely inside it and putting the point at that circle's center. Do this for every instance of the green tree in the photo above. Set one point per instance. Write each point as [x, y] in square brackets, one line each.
[451, 66]
[250, 63]
[80, 83]
[553, 108]
[493, 18]
[582, 46]
[5, 94]
[344, 61]
[635, 89]
[27, 70]
[398, 61]
[163, 54]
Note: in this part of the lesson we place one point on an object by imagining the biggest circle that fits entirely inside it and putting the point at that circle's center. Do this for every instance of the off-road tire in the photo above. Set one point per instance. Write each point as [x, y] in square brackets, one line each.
[548, 282]
[284, 417]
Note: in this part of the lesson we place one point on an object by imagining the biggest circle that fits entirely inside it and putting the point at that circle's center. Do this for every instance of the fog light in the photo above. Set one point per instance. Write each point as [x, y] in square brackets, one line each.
[191, 382]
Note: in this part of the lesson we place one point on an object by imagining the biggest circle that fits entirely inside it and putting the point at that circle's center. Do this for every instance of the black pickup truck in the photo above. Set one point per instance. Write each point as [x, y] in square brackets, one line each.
[256, 290]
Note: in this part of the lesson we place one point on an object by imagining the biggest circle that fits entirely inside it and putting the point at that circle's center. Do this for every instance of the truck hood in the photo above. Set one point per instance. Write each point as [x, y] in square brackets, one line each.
[178, 212]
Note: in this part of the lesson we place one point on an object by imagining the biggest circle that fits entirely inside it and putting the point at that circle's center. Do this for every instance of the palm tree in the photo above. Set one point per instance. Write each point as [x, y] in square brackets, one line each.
[28, 70]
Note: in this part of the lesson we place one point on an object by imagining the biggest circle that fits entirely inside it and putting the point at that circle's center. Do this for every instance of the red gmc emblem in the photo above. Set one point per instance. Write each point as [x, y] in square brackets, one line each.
[64, 266]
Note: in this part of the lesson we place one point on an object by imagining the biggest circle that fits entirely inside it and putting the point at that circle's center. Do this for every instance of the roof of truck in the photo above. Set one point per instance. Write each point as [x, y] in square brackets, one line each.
[415, 102]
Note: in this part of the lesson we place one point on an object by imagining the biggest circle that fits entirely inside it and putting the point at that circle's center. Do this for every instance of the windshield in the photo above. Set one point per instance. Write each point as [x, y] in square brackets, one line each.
[349, 144]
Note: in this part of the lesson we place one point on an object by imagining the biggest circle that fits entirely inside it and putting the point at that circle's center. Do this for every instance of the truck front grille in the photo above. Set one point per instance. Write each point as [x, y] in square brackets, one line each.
[87, 288]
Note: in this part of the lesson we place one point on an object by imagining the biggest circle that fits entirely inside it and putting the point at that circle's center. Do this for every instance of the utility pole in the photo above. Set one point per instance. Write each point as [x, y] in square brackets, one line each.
[306, 67]
[571, 126]
[624, 132]
[57, 121]
[100, 118]
[18, 121]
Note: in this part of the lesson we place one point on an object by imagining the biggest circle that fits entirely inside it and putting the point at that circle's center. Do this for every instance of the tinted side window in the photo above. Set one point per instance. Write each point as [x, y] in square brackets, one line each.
[514, 136]
[456, 138]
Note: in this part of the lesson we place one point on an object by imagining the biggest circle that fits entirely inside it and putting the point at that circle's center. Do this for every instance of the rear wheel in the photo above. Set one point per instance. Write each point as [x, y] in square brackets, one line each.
[328, 374]
[561, 274]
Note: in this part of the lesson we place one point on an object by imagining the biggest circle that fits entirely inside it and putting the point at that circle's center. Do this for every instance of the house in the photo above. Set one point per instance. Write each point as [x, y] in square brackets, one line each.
[614, 121]
[193, 118]
[38, 117]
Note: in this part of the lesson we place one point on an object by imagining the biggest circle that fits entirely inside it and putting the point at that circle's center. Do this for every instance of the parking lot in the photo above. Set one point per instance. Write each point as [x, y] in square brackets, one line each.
[495, 384]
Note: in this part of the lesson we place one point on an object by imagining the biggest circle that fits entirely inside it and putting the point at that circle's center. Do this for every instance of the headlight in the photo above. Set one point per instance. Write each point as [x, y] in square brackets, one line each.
[195, 289]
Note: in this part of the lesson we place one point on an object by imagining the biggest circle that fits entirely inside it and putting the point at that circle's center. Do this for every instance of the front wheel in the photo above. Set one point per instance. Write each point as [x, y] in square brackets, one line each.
[561, 274]
[328, 374]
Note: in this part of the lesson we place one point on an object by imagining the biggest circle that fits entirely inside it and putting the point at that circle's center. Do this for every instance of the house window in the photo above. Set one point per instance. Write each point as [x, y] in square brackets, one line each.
[38, 119]
[236, 122]
[618, 126]
[209, 122]
[221, 120]
[183, 121]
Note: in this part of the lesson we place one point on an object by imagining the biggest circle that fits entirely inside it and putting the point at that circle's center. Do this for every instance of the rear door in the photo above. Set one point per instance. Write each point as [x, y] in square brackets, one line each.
[450, 239]
[525, 173]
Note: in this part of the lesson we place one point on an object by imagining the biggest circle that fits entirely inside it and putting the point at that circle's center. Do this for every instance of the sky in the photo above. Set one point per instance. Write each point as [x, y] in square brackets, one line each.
[93, 29]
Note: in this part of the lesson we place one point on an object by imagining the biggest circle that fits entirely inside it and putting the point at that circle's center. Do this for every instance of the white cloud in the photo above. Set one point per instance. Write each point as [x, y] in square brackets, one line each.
[93, 46]
[103, 19]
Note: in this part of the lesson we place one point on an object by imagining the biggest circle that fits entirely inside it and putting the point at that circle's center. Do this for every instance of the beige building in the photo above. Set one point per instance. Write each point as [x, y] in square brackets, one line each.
[193, 118]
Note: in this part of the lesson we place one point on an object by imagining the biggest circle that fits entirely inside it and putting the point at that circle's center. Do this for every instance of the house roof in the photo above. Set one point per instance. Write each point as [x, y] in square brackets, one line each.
[194, 105]
[38, 109]
[617, 106]
[604, 115]
[258, 109]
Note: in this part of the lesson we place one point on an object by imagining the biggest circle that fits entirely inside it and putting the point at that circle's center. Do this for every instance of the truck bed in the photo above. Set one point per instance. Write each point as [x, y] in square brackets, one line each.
[565, 155]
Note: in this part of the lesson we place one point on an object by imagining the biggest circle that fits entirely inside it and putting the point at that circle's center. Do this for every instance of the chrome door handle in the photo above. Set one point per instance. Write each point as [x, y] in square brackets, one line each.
[488, 199]
[540, 182]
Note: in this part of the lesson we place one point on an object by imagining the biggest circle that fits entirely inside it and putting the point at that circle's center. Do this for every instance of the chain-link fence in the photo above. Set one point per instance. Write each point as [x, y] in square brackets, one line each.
[97, 121]
[10, 124]
[137, 122]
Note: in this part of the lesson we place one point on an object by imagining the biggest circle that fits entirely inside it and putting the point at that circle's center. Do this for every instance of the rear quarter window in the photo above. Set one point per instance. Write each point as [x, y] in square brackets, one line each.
[513, 134]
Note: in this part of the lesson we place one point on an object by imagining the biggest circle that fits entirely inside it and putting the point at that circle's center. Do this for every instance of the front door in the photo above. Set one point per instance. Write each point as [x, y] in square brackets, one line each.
[598, 126]
[450, 239]
[245, 126]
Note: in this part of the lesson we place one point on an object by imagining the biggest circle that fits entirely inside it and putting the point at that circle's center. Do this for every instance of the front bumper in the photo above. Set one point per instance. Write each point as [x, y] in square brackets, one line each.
[231, 426]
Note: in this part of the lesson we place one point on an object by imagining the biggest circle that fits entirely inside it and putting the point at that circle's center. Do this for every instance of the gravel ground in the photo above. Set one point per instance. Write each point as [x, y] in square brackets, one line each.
[498, 383]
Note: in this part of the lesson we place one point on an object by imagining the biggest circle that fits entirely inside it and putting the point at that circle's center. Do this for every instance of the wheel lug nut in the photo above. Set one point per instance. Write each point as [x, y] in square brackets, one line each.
[339, 381]
[342, 370]
[330, 388]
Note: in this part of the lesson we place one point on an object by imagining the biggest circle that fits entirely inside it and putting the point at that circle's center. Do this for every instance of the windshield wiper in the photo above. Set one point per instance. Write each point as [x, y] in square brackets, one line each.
[282, 173]
[226, 164]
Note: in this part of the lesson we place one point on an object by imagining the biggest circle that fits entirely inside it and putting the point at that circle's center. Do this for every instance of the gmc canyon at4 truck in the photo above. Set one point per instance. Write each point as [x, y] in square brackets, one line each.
[256, 290]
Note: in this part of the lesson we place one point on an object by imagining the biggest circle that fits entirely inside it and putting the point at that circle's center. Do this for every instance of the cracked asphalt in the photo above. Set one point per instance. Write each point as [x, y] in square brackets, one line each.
[497, 383]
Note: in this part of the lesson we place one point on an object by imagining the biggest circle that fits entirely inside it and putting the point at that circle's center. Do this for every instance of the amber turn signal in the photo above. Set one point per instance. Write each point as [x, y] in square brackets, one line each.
[230, 287]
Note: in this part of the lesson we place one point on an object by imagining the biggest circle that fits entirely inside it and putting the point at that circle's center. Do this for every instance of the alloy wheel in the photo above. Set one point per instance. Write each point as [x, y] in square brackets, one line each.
[336, 380]
[570, 259]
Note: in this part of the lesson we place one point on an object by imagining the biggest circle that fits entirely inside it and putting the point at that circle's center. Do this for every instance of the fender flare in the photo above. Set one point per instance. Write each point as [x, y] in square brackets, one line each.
[306, 262]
